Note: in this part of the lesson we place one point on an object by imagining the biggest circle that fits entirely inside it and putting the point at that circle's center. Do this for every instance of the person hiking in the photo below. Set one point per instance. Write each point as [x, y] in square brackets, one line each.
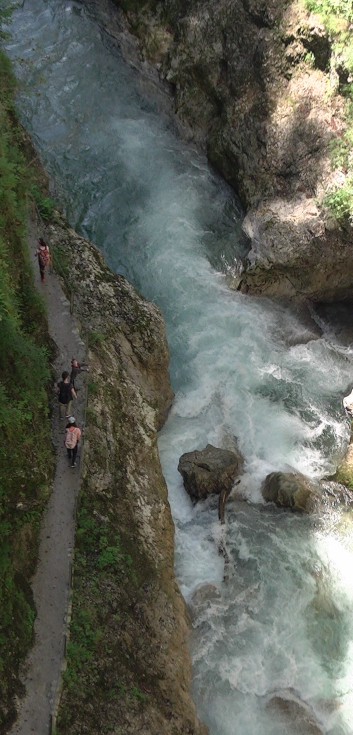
[76, 368]
[43, 255]
[72, 439]
[66, 393]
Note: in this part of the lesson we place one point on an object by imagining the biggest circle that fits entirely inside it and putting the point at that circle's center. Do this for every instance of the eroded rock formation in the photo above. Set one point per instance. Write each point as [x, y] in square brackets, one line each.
[253, 83]
[137, 671]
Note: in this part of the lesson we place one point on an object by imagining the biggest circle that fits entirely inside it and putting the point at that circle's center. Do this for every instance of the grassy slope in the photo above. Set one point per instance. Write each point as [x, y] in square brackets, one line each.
[25, 449]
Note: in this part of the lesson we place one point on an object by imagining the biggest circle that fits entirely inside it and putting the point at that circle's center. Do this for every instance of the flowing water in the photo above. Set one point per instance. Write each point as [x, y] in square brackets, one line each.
[276, 620]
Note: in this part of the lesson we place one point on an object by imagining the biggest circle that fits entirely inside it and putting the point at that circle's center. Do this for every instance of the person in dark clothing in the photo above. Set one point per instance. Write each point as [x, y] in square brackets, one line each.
[76, 369]
[43, 255]
[72, 440]
[66, 393]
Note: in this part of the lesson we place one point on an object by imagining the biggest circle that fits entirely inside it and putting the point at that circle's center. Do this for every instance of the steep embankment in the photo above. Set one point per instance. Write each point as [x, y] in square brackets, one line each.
[128, 665]
[265, 87]
[26, 460]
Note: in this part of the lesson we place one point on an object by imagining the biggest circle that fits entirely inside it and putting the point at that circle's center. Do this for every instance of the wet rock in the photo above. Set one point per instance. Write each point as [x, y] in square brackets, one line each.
[294, 490]
[289, 490]
[210, 471]
[294, 713]
[201, 599]
[344, 472]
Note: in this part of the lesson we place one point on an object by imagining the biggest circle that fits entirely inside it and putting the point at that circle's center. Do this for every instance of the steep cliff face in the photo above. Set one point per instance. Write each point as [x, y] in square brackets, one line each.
[128, 663]
[252, 83]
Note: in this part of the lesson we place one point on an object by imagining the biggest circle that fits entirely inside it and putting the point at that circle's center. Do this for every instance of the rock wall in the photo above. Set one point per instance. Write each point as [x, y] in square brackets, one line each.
[128, 662]
[253, 83]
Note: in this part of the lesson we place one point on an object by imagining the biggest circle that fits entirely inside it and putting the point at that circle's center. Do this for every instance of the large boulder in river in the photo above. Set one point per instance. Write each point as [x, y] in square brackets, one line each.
[295, 715]
[294, 490]
[289, 490]
[210, 471]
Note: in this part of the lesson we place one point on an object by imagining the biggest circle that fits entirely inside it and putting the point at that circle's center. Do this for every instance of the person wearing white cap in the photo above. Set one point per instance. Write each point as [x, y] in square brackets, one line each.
[72, 439]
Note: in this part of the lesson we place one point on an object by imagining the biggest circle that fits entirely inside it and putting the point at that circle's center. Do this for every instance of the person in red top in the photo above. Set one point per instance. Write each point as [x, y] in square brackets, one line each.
[43, 255]
[76, 368]
[72, 439]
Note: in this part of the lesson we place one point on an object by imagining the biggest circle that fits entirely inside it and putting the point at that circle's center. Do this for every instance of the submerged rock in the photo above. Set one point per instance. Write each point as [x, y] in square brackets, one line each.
[344, 472]
[203, 597]
[210, 471]
[296, 715]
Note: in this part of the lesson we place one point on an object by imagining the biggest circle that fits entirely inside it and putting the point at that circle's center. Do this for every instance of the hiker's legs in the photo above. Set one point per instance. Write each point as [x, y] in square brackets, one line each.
[42, 272]
[69, 454]
[62, 409]
[74, 455]
[65, 409]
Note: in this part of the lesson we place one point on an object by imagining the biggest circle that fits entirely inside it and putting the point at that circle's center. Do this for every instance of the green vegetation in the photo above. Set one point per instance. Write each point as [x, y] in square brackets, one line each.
[104, 571]
[92, 388]
[95, 339]
[25, 447]
[337, 17]
[44, 204]
[61, 264]
[340, 201]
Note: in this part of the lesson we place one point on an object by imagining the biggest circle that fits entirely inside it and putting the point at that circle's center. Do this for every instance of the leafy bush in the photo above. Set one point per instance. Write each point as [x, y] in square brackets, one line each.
[340, 201]
[334, 13]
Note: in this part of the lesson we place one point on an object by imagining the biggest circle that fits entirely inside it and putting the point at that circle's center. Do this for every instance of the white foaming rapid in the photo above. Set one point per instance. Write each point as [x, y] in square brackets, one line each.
[274, 621]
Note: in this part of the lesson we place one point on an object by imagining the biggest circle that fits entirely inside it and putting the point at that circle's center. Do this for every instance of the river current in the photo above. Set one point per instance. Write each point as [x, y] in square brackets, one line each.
[276, 620]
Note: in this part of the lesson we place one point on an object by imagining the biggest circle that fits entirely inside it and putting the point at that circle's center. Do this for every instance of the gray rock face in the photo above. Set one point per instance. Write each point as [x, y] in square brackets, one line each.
[295, 253]
[295, 491]
[124, 491]
[250, 84]
[210, 471]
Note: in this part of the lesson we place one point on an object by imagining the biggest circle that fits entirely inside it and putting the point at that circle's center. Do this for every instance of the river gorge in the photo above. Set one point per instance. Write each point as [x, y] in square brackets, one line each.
[272, 615]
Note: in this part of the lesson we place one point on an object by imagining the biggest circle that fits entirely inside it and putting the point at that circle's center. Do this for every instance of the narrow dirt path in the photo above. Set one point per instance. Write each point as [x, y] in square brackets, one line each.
[51, 583]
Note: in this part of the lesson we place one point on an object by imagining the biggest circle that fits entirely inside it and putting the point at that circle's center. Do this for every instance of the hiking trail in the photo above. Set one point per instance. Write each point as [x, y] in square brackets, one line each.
[51, 583]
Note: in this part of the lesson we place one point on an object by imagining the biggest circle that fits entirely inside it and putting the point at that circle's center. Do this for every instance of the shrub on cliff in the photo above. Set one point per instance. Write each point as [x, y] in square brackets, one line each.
[337, 17]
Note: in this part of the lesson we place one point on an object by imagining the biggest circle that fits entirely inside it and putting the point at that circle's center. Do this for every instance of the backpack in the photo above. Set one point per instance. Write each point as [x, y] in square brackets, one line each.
[43, 256]
[71, 438]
